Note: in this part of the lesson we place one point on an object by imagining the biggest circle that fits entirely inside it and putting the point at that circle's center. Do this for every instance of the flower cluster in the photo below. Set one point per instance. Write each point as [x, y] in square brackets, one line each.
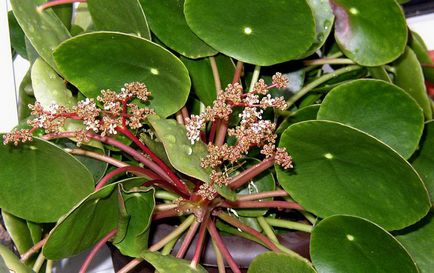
[252, 130]
[117, 111]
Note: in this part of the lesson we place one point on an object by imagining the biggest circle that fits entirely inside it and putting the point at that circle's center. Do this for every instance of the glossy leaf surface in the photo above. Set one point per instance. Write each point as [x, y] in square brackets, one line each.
[346, 171]
[379, 109]
[131, 59]
[409, 76]
[44, 29]
[279, 263]
[256, 32]
[342, 244]
[167, 21]
[423, 160]
[124, 16]
[44, 188]
[170, 264]
[11, 262]
[139, 205]
[419, 242]
[184, 156]
[359, 38]
[16, 35]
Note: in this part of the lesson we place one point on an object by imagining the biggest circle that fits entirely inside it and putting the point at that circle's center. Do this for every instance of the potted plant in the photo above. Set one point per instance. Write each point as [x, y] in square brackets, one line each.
[165, 127]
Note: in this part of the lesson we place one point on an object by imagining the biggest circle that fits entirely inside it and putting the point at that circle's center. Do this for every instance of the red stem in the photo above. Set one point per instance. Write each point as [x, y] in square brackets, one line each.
[261, 204]
[29, 253]
[214, 126]
[261, 195]
[200, 240]
[155, 158]
[95, 250]
[165, 214]
[221, 246]
[187, 240]
[57, 3]
[115, 172]
[250, 173]
[236, 223]
[163, 184]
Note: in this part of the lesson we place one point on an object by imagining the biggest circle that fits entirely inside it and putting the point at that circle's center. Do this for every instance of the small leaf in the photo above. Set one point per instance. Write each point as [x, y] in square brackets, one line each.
[367, 105]
[131, 59]
[346, 171]
[18, 230]
[139, 204]
[11, 262]
[184, 156]
[45, 180]
[423, 160]
[342, 244]
[419, 241]
[357, 36]
[202, 76]
[124, 16]
[167, 21]
[280, 263]
[378, 72]
[170, 264]
[409, 76]
[257, 32]
[44, 29]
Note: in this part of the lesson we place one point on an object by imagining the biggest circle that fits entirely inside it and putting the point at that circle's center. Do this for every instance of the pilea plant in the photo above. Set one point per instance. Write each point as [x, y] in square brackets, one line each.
[220, 119]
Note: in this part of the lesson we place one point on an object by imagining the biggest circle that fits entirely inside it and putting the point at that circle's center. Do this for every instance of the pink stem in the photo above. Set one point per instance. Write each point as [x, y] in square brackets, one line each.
[250, 173]
[117, 171]
[95, 250]
[200, 240]
[261, 195]
[187, 240]
[57, 3]
[29, 253]
[261, 204]
[221, 246]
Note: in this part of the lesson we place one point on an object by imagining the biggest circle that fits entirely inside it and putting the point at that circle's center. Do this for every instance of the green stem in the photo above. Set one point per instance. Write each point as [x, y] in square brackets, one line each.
[328, 61]
[165, 195]
[215, 74]
[169, 246]
[288, 224]
[49, 267]
[39, 262]
[174, 234]
[311, 218]
[319, 81]
[219, 258]
[255, 77]
[267, 229]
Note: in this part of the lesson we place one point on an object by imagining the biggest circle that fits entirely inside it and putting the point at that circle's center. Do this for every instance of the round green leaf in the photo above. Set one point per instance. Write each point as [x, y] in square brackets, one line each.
[359, 37]
[324, 18]
[379, 109]
[110, 59]
[257, 32]
[112, 15]
[184, 156]
[342, 244]
[409, 76]
[40, 182]
[167, 21]
[423, 160]
[280, 263]
[341, 170]
[419, 241]
[44, 29]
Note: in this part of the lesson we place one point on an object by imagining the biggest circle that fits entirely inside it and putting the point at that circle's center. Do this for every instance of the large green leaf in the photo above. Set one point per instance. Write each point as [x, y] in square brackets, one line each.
[26, 96]
[170, 264]
[167, 21]
[110, 59]
[324, 18]
[202, 76]
[419, 241]
[409, 76]
[341, 170]
[139, 205]
[44, 29]
[124, 16]
[16, 35]
[184, 156]
[379, 109]
[359, 33]
[423, 160]
[342, 244]
[258, 32]
[9, 260]
[280, 263]
[40, 182]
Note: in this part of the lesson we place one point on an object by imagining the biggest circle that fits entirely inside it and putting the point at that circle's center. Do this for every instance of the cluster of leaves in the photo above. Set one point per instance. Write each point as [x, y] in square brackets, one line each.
[360, 132]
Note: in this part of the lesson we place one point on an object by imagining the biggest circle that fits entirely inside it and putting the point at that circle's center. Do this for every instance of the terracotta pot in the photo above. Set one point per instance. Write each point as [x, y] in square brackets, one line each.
[242, 250]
